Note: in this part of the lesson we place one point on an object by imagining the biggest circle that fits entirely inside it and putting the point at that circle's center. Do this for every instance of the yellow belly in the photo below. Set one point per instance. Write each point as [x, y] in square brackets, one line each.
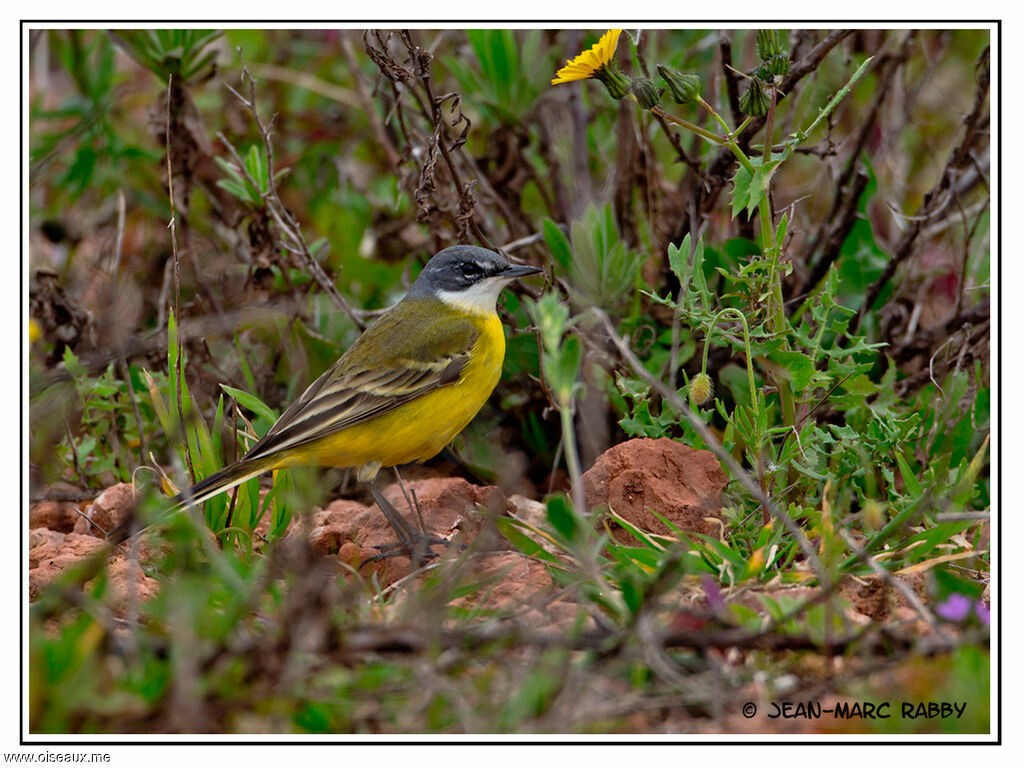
[419, 429]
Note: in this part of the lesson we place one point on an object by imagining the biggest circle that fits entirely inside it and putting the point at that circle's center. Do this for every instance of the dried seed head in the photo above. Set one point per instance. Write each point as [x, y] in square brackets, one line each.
[768, 44]
[701, 388]
[754, 101]
[775, 67]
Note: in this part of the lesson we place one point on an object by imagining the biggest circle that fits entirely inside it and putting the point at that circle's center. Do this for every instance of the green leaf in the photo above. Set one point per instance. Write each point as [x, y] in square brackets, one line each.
[833, 103]
[256, 164]
[780, 231]
[723, 551]
[860, 385]
[799, 368]
[512, 530]
[251, 402]
[844, 431]
[230, 170]
[561, 517]
[567, 367]
[235, 189]
[749, 188]
[71, 364]
[557, 242]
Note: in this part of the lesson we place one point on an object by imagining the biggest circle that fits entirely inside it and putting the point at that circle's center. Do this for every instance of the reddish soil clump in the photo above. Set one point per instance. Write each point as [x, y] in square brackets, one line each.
[50, 553]
[632, 478]
[450, 507]
[639, 476]
[108, 510]
[53, 515]
[512, 581]
[451, 510]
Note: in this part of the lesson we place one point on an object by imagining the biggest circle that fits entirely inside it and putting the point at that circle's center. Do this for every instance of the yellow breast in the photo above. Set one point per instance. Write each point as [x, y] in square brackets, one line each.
[419, 429]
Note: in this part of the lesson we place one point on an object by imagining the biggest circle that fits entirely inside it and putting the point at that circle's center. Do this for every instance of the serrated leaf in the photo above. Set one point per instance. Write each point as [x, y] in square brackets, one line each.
[860, 385]
[844, 431]
[749, 188]
[679, 261]
[71, 364]
[798, 367]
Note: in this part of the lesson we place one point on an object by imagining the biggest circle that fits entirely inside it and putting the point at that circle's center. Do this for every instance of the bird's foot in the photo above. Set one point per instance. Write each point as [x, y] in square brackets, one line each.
[417, 548]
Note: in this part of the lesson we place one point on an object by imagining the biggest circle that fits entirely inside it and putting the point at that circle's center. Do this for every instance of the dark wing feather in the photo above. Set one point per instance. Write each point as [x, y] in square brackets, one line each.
[397, 359]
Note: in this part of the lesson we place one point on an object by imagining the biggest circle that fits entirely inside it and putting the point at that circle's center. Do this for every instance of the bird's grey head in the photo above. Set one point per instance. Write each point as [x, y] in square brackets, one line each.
[468, 277]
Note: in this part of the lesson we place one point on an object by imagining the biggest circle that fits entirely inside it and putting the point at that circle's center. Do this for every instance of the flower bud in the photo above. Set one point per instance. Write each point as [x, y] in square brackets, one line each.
[754, 101]
[775, 67]
[701, 388]
[685, 86]
[768, 44]
[646, 94]
[613, 79]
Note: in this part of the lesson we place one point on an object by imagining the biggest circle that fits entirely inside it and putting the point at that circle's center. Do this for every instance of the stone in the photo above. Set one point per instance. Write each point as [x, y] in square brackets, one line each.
[108, 510]
[682, 484]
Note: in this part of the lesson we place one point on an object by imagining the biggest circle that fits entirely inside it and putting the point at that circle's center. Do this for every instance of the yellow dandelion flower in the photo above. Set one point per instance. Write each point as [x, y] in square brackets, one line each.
[589, 63]
[34, 331]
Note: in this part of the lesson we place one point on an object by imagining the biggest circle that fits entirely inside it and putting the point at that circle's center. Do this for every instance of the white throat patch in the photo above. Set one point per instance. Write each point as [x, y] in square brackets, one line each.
[479, 299]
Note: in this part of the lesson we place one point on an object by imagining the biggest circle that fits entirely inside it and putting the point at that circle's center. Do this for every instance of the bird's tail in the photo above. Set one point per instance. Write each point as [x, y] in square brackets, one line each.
[205, 489]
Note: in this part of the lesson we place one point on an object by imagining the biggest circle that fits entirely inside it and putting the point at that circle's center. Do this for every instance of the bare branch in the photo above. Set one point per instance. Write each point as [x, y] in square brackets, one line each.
[940, 196]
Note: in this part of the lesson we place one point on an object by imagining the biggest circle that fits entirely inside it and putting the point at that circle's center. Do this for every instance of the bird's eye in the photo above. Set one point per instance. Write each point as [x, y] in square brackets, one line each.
[471, 271]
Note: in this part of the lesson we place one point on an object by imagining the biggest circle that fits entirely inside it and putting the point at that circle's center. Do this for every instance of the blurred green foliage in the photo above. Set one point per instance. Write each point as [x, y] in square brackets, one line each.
[178, 53]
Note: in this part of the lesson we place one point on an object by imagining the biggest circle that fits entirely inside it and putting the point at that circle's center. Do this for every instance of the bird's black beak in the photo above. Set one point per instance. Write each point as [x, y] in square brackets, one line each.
[513, 271]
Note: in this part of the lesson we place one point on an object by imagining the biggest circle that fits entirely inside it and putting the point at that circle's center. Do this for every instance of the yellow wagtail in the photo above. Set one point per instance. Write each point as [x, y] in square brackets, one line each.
[412, 381]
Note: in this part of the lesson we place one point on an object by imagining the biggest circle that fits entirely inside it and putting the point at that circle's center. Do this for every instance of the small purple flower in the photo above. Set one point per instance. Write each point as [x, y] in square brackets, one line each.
[982, 612]
[714, 596]
[955, 608]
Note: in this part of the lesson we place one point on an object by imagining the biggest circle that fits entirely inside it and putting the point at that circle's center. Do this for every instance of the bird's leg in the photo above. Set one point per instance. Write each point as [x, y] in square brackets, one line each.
[414, 504]
[398, 523]
[416, 544]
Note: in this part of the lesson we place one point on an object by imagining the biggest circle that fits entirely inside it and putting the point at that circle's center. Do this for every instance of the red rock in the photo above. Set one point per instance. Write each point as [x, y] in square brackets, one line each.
[450, 508]
[509, 581]
[351, 554]
[351, 531]
[874, 600]
[680, 483]
[340, 514]
[54, 515]
[108, 510]
[126, 577]
[535, 514]
[43, 544]
[53, 554]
